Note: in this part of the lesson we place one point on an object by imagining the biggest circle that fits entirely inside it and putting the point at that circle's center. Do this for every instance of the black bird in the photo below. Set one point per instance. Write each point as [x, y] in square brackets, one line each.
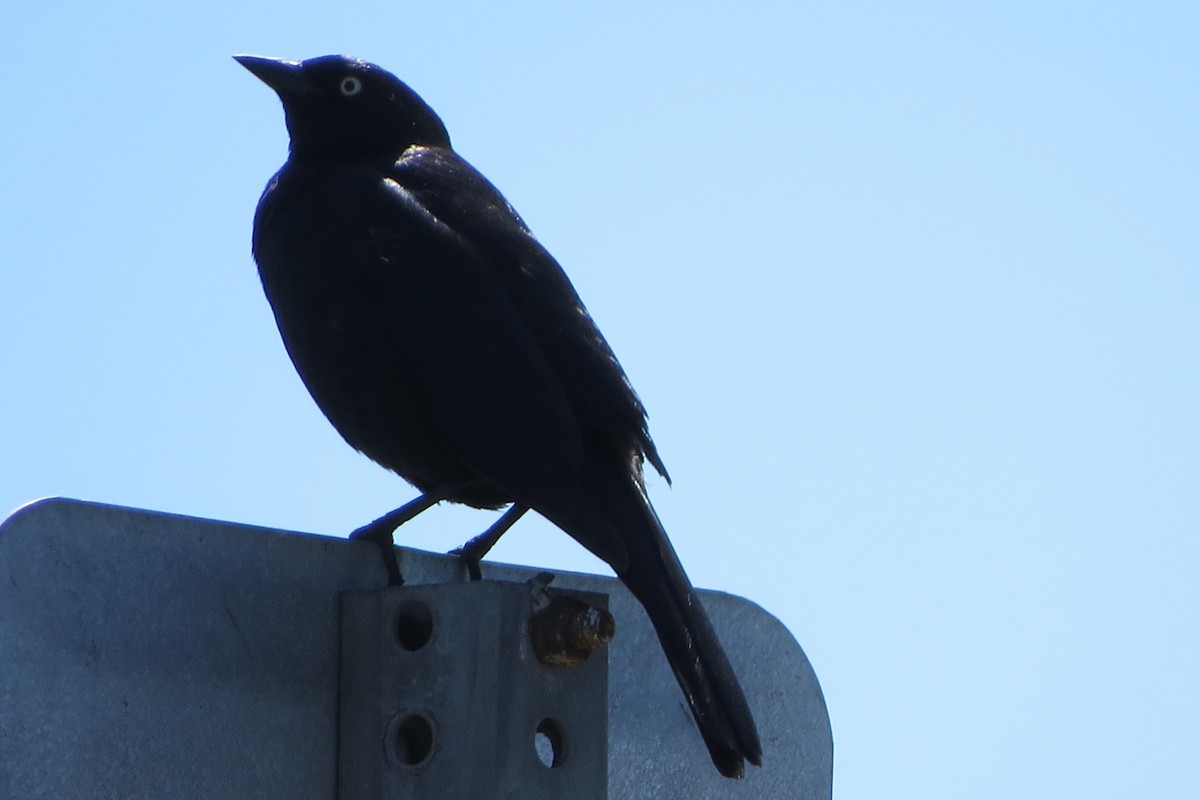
[445, 343]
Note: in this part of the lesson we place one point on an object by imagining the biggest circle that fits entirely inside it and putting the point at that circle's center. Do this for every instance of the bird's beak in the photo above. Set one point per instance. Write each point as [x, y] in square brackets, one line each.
[281, 74]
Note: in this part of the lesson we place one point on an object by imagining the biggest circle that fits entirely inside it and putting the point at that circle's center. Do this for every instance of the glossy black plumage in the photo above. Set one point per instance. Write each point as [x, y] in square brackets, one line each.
[445, 343]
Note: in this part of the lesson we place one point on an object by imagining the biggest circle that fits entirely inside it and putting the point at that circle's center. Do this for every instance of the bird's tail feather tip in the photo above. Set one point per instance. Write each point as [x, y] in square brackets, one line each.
[731, 761]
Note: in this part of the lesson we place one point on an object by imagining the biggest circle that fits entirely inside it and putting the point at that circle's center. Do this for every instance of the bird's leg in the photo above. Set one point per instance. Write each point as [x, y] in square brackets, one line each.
[473, 551]
[382, 530]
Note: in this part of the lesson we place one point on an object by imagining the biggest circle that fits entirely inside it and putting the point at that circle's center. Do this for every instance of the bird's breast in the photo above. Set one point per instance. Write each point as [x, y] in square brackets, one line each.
[332, 265]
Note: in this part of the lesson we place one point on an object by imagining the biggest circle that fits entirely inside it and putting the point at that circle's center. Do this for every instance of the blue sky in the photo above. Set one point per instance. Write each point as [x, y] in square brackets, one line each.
[910, 291]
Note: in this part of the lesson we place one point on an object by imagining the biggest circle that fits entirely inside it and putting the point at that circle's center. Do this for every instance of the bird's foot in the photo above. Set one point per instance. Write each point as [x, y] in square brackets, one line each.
[382, 531]
[381, 535]
[472, 553]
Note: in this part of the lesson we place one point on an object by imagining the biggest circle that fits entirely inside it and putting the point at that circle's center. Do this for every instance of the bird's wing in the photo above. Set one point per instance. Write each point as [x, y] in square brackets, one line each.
[604, 403]
[487, 384]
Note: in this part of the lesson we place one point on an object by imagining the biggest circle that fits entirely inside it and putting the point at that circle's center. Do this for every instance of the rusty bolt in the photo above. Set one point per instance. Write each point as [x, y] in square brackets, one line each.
[566, 630]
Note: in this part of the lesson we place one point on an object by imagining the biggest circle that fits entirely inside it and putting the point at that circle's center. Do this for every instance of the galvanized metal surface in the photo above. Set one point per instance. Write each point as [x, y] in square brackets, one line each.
[149, 655]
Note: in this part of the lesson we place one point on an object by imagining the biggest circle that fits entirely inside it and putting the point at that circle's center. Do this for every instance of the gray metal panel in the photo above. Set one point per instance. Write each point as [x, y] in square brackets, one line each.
[149, 655]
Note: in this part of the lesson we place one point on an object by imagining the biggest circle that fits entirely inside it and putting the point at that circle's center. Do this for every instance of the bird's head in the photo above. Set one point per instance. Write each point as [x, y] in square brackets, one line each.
[338, 106]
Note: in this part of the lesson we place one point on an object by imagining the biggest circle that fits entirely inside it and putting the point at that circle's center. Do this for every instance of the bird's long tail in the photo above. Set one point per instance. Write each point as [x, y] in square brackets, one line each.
[616, 506]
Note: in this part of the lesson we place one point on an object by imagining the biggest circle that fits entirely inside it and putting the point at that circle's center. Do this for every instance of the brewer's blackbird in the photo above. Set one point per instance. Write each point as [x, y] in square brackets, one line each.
[445, 343]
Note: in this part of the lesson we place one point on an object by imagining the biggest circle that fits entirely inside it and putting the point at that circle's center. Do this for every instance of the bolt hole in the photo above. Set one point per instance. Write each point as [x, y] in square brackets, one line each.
[414, 626]
[414, 739]
[548, 743]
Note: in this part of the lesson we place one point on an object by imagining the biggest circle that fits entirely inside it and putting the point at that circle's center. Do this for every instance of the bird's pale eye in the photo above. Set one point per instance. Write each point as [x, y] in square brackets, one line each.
[350, 86]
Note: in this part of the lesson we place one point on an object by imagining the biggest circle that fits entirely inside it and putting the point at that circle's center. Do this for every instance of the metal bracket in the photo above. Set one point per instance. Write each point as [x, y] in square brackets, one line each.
[441, 695]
